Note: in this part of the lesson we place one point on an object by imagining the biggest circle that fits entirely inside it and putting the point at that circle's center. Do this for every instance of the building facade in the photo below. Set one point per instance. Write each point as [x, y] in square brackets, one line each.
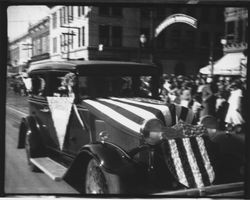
[180, 48]
[40, 40]
[20, 53]
[113, 33]
[87, 32]
[236, 30]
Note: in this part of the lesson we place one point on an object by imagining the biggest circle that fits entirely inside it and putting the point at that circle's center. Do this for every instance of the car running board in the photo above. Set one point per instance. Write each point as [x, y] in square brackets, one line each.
[222, 190]
[50, 167]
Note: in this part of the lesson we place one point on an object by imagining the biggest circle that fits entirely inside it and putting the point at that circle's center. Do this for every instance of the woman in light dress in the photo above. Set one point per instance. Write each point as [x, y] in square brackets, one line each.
[234, 113]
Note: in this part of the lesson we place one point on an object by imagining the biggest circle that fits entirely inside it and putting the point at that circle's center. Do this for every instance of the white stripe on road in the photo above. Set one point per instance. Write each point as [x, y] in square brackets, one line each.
[115, 115]
[164, 109]
[135, 110]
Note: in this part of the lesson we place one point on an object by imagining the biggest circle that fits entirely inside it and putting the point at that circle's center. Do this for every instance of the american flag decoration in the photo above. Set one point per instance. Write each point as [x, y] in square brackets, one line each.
[187, 157]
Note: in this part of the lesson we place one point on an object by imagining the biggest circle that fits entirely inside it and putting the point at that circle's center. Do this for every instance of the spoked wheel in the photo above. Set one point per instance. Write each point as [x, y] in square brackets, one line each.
[99, 182]
[28, 150]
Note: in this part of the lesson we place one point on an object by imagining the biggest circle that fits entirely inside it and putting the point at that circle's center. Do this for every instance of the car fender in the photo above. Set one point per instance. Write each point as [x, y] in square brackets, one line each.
[37, 147]
[230, 150]
[110, 158]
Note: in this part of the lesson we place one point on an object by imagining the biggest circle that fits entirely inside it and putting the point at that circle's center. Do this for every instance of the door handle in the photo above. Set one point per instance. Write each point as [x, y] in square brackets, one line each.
[45, 109]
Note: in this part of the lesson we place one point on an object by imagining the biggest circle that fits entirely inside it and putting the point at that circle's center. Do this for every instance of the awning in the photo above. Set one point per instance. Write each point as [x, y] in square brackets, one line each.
[231, 64]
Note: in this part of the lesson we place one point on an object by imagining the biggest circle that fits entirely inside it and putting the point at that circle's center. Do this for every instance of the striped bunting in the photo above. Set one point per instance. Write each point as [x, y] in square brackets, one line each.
[109, 112]
[188, 160]
[163, 108]
[168, 111]
[146, 115]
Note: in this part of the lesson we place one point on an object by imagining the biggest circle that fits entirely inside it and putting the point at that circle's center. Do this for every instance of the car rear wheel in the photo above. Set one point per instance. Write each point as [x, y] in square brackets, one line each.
[99, 182]
[32, 167]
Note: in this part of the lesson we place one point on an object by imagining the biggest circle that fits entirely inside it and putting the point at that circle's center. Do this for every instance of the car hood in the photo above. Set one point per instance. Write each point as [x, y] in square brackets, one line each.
[130, 113]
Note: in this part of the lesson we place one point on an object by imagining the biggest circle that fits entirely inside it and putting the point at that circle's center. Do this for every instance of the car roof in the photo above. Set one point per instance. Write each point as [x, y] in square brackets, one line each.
[71, 65]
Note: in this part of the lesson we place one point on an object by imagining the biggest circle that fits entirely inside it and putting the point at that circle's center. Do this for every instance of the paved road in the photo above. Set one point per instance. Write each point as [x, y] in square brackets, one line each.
[18, 178]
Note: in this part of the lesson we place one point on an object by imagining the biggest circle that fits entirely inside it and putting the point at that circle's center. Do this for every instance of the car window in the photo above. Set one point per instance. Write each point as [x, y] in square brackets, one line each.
[120, 86]
[61, 84]
[38, 85]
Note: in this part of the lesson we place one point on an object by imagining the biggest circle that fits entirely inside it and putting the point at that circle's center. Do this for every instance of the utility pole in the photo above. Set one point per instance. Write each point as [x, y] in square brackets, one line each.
[69, 34]
[152, 31]
[211, 57]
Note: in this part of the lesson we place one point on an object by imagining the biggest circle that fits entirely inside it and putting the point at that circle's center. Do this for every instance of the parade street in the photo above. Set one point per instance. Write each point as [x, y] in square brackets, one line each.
[18, 177]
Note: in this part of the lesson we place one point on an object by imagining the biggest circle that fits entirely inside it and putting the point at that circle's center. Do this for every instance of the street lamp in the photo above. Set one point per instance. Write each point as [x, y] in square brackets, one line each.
[223, 41]
[143, 40]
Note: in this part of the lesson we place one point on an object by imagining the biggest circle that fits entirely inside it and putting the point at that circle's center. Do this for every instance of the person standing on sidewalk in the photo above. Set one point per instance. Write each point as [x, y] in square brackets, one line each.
[208, 98]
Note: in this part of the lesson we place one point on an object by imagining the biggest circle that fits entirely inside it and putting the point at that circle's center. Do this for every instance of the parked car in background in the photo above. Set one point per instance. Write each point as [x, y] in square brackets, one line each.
[101, 127]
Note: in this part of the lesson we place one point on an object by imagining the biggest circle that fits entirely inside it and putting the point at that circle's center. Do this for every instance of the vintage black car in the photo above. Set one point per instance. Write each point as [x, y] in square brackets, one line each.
[101, 127]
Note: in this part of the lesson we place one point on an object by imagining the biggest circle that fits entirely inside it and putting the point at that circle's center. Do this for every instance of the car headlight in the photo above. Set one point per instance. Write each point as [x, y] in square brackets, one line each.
[152, 131]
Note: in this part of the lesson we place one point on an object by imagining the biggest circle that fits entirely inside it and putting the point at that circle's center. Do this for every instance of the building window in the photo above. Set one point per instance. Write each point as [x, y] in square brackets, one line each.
[240, 30]
[79, 10]
[39, 46]
[79, 37]
[205, 15]
[83, 10]
[61, 43]
[47, 44]
[246, 30]
[230, 31]
[44, 44]
[116, 11]
[54, 45]
[64, 13]
[54, 20]
[110, 11]
[70, 14]
[61, 16]
[116, 36]
[64, 42]
[34, 47]
[104, 11]
[145, 13]
[104, 35]
[83, 36]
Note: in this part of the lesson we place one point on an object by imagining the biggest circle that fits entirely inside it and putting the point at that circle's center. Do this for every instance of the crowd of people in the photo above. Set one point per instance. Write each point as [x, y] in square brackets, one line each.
[222, 97]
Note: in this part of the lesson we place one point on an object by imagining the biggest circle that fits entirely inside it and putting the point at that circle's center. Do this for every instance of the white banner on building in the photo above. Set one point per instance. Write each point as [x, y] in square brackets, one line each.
[175, 18]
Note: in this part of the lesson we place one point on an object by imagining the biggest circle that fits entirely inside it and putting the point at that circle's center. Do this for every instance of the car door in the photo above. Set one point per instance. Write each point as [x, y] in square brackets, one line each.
[39, 108]
[66, 124]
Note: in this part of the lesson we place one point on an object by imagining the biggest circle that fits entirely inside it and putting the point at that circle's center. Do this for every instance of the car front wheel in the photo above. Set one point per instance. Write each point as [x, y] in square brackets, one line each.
[98, 181]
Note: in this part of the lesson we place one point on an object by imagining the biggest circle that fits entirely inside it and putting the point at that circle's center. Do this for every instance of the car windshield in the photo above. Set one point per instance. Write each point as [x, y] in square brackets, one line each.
[116, 86]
